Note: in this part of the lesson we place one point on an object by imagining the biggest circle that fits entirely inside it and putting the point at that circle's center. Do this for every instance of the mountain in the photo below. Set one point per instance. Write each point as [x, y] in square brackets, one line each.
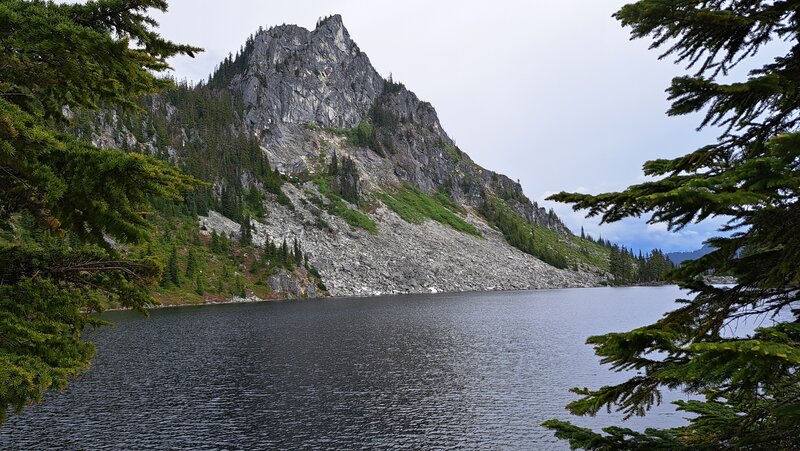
[678, 257]
[300, 138]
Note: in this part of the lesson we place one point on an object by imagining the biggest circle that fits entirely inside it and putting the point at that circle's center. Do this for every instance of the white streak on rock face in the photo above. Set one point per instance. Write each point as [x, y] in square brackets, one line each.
[339, 40]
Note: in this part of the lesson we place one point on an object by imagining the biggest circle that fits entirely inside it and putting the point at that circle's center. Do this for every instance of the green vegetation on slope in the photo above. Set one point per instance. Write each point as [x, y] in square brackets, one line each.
[199, 266]
[362, 135]
[542, 242]
[337, 206]
[199, 129]
[414, 206]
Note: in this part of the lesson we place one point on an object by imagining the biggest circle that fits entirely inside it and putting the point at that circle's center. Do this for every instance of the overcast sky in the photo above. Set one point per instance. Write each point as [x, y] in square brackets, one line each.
[551, 93]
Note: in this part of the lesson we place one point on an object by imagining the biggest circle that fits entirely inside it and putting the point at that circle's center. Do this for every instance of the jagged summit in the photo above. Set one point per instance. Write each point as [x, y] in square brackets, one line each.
[289, 77]
[333, 23]
[295, 76]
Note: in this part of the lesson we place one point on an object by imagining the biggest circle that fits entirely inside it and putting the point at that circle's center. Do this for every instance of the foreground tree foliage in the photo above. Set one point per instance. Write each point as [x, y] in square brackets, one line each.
[66, 206]
[748, 386]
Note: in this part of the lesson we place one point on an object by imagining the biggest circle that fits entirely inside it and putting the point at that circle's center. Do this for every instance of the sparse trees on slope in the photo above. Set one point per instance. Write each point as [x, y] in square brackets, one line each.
[61, 199]
[749, 385]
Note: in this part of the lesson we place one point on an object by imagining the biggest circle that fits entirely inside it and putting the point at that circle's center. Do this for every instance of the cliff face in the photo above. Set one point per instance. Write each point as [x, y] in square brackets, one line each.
[294, 77]
[297, 76]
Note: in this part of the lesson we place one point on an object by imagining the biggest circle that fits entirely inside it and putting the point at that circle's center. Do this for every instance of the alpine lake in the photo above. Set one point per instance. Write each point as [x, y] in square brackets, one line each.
[466, 370]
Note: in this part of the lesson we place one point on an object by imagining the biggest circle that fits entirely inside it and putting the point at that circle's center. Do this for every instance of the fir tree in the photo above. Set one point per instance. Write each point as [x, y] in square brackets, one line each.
[245, 232]
[297, 252]
[333, 168]
[81, 55]
[172, 271]
[745, 387]
[215, 244]
[239, 287]
[199, 286]
[349, 180]
[224, 243]
[191, 264]
[285, 254]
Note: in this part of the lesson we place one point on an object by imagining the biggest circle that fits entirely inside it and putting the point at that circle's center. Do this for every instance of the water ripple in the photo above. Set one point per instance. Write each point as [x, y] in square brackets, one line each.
[475, 371]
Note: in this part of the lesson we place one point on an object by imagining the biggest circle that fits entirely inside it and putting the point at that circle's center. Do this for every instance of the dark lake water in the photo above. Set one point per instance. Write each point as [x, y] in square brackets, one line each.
[477, 371]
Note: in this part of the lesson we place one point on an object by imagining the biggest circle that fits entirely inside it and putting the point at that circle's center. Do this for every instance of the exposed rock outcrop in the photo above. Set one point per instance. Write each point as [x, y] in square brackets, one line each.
[297, 76]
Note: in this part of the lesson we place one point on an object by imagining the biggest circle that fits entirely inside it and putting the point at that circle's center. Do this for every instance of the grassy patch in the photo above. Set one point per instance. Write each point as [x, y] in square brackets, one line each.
[454, 153]
[362, 135]
[338, 207]
[543, 242]
[414, 206]
[572, 248]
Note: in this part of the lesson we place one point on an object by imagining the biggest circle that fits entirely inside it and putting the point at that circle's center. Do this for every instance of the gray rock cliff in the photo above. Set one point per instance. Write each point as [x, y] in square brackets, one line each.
[294, 77]
[297, 76]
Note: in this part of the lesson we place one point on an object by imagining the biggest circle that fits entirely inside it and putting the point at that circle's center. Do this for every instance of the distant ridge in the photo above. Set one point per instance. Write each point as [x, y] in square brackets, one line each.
[679, 257]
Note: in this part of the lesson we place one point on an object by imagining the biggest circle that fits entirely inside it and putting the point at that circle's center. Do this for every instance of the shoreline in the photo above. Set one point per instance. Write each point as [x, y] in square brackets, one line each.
[255, 299]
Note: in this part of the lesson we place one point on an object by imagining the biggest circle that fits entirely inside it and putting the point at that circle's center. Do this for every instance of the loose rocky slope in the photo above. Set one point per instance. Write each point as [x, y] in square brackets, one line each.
[408, 258]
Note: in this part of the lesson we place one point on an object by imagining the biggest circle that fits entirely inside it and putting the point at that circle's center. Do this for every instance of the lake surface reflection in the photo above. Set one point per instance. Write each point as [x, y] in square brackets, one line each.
[474, 370]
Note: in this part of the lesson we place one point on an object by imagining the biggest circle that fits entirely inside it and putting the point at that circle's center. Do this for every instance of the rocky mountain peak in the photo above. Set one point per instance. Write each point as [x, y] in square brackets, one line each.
[290, 78]
[295, 76]
[302, 97]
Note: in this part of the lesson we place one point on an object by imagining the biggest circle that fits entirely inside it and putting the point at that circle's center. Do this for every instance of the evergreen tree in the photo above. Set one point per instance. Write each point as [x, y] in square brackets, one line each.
[199, 286]
[333, 168]
[215, 243]
[245, 232]
[297, 252]
[239, 287]
[231, 205]
[285, 254]
[349, 180]
[268, 252]
[191, 263]
[81, 55]
[746, 387]
[615, 264]
[224, 243]
[172, 271]
[255, 201]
